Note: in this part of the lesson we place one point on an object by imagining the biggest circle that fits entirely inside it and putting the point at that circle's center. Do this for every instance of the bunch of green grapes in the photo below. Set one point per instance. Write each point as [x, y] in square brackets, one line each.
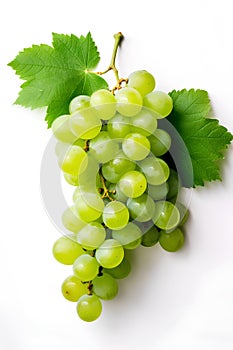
[111, 149]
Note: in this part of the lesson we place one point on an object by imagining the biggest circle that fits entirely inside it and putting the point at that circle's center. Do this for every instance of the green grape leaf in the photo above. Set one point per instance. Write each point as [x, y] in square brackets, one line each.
[54, 75]
[203, 137]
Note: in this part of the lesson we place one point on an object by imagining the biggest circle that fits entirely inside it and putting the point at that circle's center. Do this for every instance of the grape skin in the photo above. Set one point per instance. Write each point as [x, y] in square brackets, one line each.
[142, 81]
[72, 288]
[89, 307]
[66, 251]
[85, 267]
[129, 101]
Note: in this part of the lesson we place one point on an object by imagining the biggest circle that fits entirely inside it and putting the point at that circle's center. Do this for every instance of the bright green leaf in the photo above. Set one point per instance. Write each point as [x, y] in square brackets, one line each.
[54, 75]
[203, 137]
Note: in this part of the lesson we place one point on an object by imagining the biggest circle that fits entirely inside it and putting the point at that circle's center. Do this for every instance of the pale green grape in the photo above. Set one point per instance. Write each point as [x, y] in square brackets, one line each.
[136, 146]
[141, 208]
[174, 184]
[184, 213]
[115, 168]
[61, 129]
[130, 236]
[150, 237]
[71, 179]
[105, 286]
[89, 308]
[72, 221]
[78, 103]
[171, 241]
[115, 215]
[75, 161]
[142, 81]
[61, 148]
[80, 143]
[85, 124]
[160, 142]
[158, 192]
[118, 127]
[72, 288]
[78, 191]
[66, 251]
[89, 206]
[129, 101]
[120, 271]
[89, 178]
[166, 215]
[86, 267]
[159, 102]
[133, 184]
[156, 170]
[143, 123]
[103, 147]
[91, 236]
[110, 254]
[104, 104]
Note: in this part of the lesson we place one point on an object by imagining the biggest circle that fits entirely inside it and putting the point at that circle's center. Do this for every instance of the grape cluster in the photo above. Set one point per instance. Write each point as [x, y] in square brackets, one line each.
[111, 149]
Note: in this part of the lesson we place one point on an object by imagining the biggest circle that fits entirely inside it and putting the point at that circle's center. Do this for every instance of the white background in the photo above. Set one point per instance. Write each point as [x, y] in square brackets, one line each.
[170, 301]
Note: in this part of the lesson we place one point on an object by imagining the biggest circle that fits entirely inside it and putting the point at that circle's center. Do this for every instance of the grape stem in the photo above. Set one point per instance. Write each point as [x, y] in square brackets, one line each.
[89, 287]
[105, 191]
[112, 66]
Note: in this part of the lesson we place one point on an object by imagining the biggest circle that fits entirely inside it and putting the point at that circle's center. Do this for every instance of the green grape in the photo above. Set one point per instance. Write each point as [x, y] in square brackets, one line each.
[115, 168]
[160, 142]
[156, 170]
[89, 308]
[91, 236]
[61, 148]
[116, 193]
[158, 192]
[144, 123]
[171, 241]
[150, 237]
[166, 215]
[66, 251]
[184, 213]
[77, 192]
[89, 206]
[72, 221]
[141, 208]
[110, 254]
[133, 184]
[105, 287]
[72, 288]
[61, 129]
[136, 146]
[120, 271]
[86, 267]
[118, 127]
[75, 161]
[174, 184]
[142, 81]
[130, 236]
[103, 147]
[71, 179]
[159, 102]
[129, 101]
[89, 179]
[85, 124]
[104, 104]
[115, 215]
[78, 103]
